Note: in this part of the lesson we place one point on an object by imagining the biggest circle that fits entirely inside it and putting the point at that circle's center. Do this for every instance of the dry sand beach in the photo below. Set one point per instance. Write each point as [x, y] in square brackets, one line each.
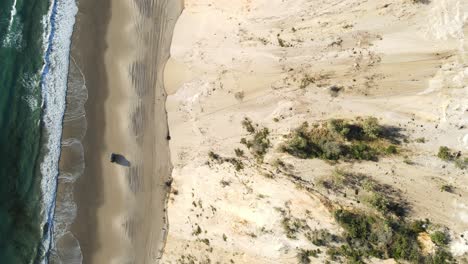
[281, 63]
[119, 50]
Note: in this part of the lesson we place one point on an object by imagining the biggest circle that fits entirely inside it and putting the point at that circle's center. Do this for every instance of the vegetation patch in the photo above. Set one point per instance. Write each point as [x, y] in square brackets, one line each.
[282, 43]
[384, 233]
[447, 188]
[258, 143]
[321, 237]
[462, 163]
[382, 197]
[361, 139]
[306, 81]
[440, 238]
[236, 162]
[421, 140]
[239, 152]
[292, 226]
[304, 255]
[382, 237]
[446, 154]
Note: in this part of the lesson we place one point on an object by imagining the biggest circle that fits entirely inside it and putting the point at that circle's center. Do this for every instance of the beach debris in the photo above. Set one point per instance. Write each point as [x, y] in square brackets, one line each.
[168, 183]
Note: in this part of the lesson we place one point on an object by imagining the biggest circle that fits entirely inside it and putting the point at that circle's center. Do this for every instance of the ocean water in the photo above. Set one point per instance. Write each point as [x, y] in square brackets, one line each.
[34, 47]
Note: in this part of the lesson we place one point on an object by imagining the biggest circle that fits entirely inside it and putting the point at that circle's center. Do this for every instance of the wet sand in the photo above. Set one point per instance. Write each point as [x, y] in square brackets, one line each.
[121, 48]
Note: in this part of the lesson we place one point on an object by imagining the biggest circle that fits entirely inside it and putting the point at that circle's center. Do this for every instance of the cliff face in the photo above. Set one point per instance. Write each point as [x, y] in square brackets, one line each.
[282, 63]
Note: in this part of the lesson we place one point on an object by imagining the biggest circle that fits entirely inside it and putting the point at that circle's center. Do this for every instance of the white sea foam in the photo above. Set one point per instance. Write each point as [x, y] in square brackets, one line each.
[31, 82]
[12, 15]
[13, 36]
[58, 29]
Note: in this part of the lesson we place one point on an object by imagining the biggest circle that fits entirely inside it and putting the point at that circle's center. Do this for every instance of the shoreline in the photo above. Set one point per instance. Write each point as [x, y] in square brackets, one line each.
[88, 56]
[53, 82]
[120, 211]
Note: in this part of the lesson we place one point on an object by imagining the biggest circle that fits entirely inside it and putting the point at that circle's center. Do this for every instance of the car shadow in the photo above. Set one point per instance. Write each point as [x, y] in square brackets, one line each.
[120, 159]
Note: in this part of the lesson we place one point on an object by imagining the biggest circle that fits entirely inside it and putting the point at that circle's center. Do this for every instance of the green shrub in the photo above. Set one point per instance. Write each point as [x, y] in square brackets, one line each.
[339, 126]
[331, 150]
[441, 256]
[303, 256]
[301, 144]
[405, 245]
[340, 139]
[260, 143]
[419, 226]
[378, 237]
[357, 226]
[361, 151]
[380, 202]
[353, 255]
[247, 124]
[197, 231]
[371, 128]
[445, 153]
[346, 129]
[239, 152]
[321, 237]
[214, 156]
[238, 165]
[461, 163]
[386, 205]
[292, 226]
[392, 149]
[421, 140]
[439, 238]
[446, 188]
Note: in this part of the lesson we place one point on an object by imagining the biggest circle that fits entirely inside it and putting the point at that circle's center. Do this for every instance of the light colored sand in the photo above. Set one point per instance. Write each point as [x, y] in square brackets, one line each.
[117, 138]
[404, 63]
[128, 213]
[136, 127]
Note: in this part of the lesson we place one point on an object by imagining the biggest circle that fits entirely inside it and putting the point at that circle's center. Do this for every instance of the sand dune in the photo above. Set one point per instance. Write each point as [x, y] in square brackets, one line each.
[275, 62]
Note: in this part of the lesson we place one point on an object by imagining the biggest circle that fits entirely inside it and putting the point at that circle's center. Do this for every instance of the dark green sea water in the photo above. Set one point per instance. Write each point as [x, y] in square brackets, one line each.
[21, 63]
